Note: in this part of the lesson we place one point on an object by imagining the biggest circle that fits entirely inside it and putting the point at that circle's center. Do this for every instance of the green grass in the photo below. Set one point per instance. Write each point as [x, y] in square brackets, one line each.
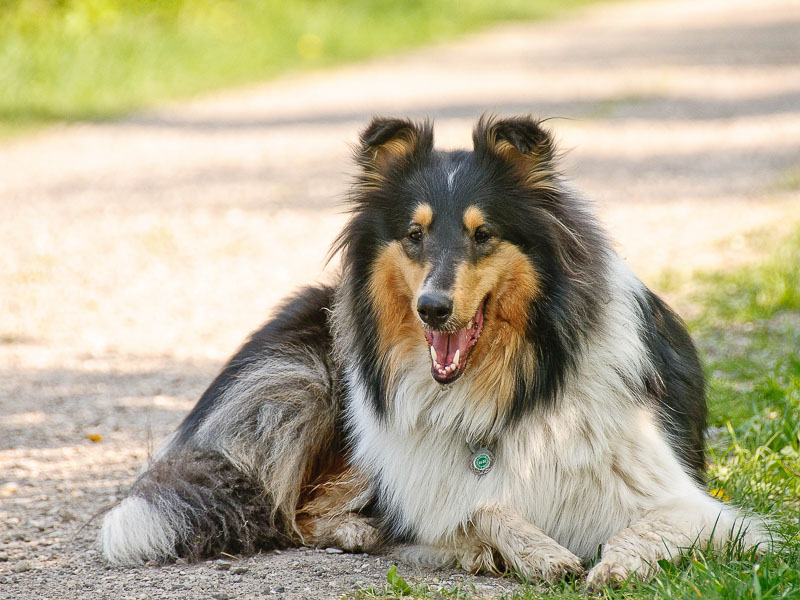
[749, 335]
[66, 60]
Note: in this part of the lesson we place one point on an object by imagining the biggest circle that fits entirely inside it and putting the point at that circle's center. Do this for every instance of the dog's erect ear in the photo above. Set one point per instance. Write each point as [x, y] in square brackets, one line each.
[520, 141]
[387, 142]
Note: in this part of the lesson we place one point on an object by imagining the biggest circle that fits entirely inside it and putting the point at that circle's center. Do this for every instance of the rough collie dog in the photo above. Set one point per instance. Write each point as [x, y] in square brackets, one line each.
[487, 381]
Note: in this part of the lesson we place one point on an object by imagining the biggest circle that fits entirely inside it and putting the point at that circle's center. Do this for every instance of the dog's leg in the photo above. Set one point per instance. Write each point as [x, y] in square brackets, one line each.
[331, 518]
[525, 548]
[350, 531]
[466, 552]
[666, 533]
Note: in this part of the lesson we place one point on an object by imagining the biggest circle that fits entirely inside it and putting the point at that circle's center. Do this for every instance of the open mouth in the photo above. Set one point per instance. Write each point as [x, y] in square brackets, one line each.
[450, 350]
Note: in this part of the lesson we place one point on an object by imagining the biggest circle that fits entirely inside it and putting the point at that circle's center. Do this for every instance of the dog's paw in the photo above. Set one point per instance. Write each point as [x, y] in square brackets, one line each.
[549, 562]
[356, 534]
[613, 571]
[479, 558]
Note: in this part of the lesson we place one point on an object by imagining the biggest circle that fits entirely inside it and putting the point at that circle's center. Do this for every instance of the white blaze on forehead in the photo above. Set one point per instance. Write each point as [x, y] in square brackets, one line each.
[451, 177]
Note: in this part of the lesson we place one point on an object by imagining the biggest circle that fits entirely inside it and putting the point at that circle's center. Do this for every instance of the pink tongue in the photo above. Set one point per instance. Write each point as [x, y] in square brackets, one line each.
[446, 344]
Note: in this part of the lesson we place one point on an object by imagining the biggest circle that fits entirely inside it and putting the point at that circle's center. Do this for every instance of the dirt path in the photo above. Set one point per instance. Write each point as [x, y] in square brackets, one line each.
[136, 255]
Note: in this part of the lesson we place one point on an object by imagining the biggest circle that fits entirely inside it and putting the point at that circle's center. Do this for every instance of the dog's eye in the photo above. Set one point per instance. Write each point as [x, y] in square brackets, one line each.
[482, 236]
[415, 235]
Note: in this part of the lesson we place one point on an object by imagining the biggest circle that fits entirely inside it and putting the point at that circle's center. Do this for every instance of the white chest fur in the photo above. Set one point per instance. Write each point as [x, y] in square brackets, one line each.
[580, 475]
[580, 472]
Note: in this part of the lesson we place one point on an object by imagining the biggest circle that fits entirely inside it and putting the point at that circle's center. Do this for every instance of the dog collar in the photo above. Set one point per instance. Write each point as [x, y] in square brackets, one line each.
[482, 459]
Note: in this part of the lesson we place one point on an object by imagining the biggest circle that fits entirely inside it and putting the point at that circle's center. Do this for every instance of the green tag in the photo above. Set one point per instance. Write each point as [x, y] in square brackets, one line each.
[482, 461]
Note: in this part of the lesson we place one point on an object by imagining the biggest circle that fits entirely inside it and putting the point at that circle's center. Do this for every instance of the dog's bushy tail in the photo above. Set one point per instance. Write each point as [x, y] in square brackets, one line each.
[233, 476]
[193, 504]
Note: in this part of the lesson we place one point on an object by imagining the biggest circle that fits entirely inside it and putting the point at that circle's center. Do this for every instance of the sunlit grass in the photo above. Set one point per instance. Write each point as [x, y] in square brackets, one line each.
[757, 292]
[67, 60]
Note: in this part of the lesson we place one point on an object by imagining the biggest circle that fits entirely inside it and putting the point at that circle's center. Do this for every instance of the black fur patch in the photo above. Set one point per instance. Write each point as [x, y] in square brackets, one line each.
[678, 386]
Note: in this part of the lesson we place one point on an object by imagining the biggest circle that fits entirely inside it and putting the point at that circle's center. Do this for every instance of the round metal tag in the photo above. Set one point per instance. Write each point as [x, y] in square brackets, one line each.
[482, 461]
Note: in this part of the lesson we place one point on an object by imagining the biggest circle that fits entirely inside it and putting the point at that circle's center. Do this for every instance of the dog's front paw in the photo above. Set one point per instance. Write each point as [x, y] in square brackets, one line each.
[614, 570]
[356, 534]
[549, 562]
[479, 558]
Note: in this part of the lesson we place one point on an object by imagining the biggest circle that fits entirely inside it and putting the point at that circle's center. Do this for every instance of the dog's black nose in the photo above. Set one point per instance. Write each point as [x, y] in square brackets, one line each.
[435, 308]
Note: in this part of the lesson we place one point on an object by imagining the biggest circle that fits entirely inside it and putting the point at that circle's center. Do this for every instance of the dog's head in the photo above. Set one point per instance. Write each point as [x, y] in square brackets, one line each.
[463, 255]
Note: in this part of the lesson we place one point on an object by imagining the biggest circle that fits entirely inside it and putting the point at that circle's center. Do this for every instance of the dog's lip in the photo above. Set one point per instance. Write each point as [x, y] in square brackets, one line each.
[454, 347]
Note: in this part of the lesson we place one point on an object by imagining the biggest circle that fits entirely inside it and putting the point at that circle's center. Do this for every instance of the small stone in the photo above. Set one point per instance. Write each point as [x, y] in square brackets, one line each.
[334, 550]
[277, 589]
[240, 570]
[8, 489]
[222, 565]
[295, 564]
[21, 567]
[221, 596]
[66, 515]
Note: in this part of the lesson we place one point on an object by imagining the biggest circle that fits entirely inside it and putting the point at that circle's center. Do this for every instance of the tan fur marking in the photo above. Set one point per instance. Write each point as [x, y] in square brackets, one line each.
[506, 149]
[423, 215]
[512, 282]
[331, 518]
[535, 169]
[401, 146]
[473, 218]
[506, 275]
[394, 282]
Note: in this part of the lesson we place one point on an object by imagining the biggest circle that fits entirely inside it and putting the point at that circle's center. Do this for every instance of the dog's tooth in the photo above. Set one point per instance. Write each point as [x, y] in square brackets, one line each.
[456, 357]
[470, 324]
[433, 354]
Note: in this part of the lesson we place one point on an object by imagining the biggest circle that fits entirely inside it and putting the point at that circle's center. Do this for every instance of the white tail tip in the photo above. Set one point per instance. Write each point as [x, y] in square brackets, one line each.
[135, 532]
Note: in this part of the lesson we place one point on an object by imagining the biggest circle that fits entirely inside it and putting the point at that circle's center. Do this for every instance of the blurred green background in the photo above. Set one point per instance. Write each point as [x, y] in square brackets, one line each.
[66, 60]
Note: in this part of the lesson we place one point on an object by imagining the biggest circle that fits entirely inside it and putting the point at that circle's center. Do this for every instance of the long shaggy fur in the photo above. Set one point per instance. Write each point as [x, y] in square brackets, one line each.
[480, 306]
